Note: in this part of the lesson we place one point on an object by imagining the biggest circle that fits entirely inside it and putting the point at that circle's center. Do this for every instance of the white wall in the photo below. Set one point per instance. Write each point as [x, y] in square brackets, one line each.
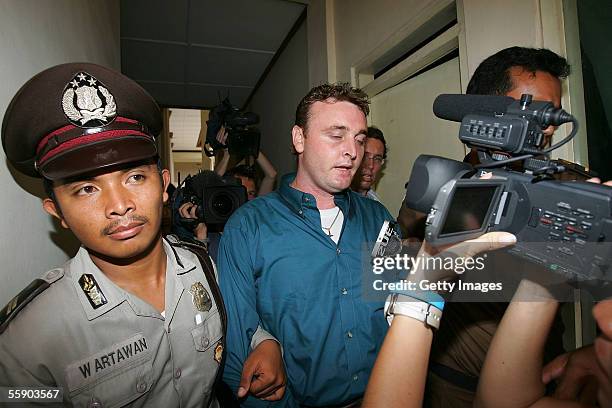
[35, 35]
[277, 98]
[360, 26]
[408, 133]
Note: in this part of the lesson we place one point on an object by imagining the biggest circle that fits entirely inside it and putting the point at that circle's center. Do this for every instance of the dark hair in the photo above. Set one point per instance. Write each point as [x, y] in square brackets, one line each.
[492, 77]
[376, 133]
[242, 171]
[338, 92]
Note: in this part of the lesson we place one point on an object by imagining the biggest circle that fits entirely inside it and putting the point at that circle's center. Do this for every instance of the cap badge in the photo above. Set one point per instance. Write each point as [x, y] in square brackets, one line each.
[92, 291]
[87, 103]
[200, 297]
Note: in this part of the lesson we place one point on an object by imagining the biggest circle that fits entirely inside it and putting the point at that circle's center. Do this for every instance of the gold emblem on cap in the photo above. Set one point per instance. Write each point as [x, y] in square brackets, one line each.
[200, 297]
[219, 352]
[92, 291]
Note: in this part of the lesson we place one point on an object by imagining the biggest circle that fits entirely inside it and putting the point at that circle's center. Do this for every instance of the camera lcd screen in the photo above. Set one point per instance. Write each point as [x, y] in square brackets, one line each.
[468, 209]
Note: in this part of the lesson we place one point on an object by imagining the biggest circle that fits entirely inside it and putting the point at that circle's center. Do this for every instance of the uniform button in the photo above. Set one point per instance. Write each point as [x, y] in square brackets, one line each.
[205, 342]
[177, 373]
[141, 386]
[94, 403]
[344, 291]
[349, 334]
[355, 377]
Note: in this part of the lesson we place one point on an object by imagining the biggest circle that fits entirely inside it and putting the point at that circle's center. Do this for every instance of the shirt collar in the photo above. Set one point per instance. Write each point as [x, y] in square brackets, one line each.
[80, 267]
[82, 264]
[299, 201]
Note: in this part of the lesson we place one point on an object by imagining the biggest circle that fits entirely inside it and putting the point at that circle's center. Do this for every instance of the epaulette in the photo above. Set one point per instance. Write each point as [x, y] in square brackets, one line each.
[24, 297]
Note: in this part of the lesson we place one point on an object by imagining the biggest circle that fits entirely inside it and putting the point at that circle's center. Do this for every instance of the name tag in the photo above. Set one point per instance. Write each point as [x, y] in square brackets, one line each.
[115, 357]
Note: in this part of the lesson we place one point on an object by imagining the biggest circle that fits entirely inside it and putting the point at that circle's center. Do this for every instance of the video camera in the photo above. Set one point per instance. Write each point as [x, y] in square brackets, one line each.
[216, 197]
[242, 139]
[565, 226]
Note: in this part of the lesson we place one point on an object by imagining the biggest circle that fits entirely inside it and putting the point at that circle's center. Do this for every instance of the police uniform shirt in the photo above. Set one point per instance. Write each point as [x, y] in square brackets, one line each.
[107, 348]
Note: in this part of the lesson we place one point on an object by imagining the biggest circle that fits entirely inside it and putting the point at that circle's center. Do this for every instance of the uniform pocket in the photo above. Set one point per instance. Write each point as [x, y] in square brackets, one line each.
[114, 377]
[208, 333]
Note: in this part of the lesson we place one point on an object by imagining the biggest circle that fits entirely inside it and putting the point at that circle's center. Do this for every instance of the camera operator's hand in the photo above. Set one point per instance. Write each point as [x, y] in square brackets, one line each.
[586, 374]
[467, 249]
[603, 350]
[222, 136]
[598, 181]
[223, 158]
[575, 373]
[188, 211]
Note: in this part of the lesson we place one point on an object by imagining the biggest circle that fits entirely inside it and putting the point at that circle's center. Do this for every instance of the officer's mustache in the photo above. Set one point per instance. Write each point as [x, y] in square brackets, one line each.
[124, 222]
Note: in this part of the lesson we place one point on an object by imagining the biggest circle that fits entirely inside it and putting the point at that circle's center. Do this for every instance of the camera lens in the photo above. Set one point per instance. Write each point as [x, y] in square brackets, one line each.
[222, 204]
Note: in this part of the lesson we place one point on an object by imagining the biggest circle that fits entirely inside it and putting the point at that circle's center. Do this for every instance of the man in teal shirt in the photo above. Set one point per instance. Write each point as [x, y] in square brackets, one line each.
[291, 261]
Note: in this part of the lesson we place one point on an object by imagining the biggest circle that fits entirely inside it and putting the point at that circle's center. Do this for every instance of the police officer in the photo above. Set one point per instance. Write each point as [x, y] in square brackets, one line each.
[133, 318]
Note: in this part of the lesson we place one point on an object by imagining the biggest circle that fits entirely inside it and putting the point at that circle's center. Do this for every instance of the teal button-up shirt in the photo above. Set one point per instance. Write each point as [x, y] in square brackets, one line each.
[277, 268]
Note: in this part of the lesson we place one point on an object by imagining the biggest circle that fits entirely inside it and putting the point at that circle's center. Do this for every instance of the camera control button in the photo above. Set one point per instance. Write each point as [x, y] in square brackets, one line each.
[431, 216]
[564, 206]
[535, 217]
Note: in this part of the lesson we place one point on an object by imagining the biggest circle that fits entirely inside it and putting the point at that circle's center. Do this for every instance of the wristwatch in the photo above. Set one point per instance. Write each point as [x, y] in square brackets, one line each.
[411, 307]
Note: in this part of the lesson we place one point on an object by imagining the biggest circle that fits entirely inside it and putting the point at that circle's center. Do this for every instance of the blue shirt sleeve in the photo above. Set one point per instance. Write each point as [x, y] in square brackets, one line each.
[236, 279]
[237, 285]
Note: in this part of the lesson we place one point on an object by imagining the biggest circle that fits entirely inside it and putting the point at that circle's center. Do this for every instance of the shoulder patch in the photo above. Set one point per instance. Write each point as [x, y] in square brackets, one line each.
[24, 297]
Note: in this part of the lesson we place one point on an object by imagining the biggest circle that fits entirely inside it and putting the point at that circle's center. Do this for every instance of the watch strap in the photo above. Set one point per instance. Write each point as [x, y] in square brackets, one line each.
[414, 308]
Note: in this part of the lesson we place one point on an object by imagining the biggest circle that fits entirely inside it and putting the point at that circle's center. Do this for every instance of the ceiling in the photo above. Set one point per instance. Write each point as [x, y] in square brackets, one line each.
[185, 126]
[189, 53]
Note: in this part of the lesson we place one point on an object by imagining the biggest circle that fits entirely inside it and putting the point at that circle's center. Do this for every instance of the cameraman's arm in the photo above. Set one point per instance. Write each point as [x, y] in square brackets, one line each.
[398, 376]
[512, 372]
[603, 351]
[400, 370]
[223, 161]
[267, 184]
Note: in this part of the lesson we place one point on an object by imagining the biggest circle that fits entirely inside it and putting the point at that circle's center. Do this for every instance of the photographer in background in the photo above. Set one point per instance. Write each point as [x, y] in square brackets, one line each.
[245, 173]
[373, 161]
[185, 211]
[203, 204]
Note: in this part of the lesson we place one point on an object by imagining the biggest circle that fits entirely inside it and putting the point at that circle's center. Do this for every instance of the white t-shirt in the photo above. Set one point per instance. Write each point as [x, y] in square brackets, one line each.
[331, 222]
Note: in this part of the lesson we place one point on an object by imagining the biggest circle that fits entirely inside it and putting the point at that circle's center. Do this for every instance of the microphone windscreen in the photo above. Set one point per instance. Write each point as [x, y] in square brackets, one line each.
[455, 106]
